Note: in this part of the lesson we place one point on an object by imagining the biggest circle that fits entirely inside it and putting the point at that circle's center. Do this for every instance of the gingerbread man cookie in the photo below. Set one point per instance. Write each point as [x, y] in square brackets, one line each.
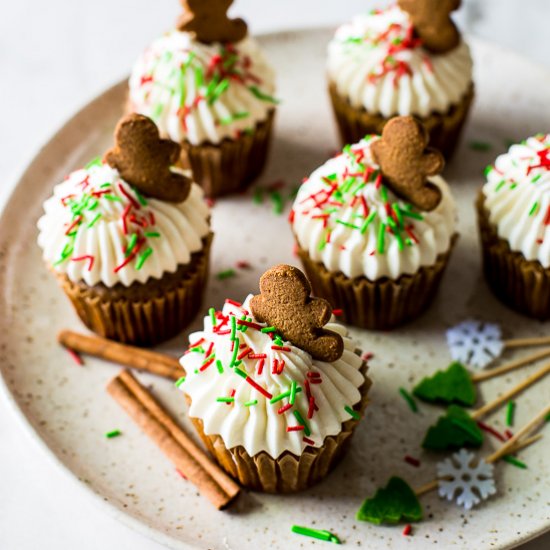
[144, 160]
[406, 161]
[285, 303]
[208, 21]
[433, 24]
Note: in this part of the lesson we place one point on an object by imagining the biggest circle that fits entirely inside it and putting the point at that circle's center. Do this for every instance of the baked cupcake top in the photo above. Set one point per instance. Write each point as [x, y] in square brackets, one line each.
[380, 63]
[100, 228]
[517, 198]
[198, 86]
[254, 388]
[348, 216]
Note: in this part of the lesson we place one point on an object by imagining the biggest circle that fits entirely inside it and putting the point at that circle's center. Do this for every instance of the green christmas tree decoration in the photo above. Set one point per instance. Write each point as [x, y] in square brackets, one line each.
[453, 385]
[395, 502]
[453, 431]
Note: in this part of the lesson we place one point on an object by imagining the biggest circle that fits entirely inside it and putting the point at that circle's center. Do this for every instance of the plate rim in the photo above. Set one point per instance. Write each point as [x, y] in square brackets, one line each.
[31, 432]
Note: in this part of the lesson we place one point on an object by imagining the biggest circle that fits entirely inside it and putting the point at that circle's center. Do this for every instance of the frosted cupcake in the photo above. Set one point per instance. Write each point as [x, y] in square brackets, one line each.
[375, 227]
[514, 225]
[128, 239]
[408, 59]
[276, 413]
[208, 87]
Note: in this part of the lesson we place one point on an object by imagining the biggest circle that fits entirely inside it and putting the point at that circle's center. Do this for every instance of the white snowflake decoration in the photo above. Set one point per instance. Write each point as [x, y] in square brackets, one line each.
[475, 343]
[465, 478]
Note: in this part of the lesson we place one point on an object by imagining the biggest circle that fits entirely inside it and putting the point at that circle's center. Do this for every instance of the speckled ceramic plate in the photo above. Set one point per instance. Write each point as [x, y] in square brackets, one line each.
[67, 410]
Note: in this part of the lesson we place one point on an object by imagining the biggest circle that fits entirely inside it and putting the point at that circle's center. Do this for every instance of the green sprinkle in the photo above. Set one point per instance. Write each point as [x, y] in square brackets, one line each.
[180, 382]
[104, 185]
[225, 399]
[488, 170]
[236, 116]
[139, 196]
[515, 462]
[157, 111]
[241, 372]
[112, 198]
[536, 178]
[152, 234]
[316, 534]
[131, 244]
[258, 196]
[94, 162]
[381, 238]
[409, 399]
[268, 329]
[384, 193]
[199, 77]
[399, 239]
[251, 403]
[260, 95]
[212, 313]
[347, 224]
[368, 221]
[218, 91]
[354, 414]
[94, 221]
[142, 258]
[282, 396]
[481, 146]
[500, 184]
[233, 328]
[413, 215]
[113, 433]
[302, 422]
[510, 410]
[234, 357]
[278, 203]
[292, 396]
[228, 273]
[398, 214]
[534, 208]
[219, 366]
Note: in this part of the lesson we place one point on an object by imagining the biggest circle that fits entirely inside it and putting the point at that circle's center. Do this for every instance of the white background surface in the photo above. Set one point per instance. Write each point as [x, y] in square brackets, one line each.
[54, 57]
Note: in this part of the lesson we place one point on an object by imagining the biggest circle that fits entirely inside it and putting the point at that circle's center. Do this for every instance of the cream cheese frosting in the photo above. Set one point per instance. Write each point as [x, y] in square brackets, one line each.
[377, 64]
[517, 197]
[253, 389]
[198, 92]
[97, 228]
[347, 219]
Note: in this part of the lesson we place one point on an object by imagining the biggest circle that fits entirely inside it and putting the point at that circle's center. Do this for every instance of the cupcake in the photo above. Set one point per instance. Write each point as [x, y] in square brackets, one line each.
[408, 59]
[128, 239]
[207, 86]
[275, 386]
[514, 219]
[375, 226]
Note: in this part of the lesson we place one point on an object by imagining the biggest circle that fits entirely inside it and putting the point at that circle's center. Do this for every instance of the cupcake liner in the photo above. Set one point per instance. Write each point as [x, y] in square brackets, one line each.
[143, 314]
[232, 165]
[288, 473]
[377, 305]
[444, 129]
[523, 285]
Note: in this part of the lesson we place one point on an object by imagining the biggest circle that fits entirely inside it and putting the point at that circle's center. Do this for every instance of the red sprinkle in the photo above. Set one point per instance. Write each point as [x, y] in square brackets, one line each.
[255, 385]
[133, 201]
[243, 353]
[76, 358]
[280, 348]
[233, 303]
[181, 474]
[490, 430]
[412, 461]
[207, 364]
[308, 441]
[367, 356]
[407, 530]
[89, 259]
[261, 364]
[242, 264]
[294, 428]
[337, 312]
[249, 324]
[508, 434]
[285, 408]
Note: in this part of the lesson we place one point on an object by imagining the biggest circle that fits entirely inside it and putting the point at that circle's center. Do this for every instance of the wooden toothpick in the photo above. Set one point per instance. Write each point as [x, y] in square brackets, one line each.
[491, 373]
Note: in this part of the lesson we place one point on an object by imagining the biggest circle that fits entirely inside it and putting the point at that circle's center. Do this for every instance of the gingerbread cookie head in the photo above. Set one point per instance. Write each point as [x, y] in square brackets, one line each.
[433, 24]
[405, 162]
[285, 303]
[144, 160]
[208, 21]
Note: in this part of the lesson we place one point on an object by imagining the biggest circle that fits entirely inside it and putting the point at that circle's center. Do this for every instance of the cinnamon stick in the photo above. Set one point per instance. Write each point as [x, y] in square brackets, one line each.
[182, 451]
[129, 356]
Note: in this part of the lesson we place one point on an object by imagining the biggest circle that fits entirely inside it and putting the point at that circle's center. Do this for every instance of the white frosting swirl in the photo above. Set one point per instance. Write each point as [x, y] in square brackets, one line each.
[251, 420]
[202, 92]
[94, 218]
[377, 64]
[517, 196]
[345, 219]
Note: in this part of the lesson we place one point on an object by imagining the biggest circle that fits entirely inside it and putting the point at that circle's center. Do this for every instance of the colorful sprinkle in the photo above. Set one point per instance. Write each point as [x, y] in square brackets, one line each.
[113, 433]
[510, 411]
[316, 534]
[409, 399]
